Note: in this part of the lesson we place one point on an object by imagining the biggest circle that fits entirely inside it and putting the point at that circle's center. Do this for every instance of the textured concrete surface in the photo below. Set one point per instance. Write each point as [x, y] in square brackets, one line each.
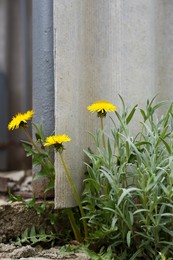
[43, 71]
[43, 74]
[102, 49]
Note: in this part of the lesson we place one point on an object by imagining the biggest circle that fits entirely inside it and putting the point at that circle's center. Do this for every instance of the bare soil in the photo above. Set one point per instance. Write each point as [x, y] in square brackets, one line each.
[15, 218]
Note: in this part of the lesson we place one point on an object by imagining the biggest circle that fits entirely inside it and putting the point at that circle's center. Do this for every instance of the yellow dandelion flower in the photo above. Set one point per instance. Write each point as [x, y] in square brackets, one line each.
[20, 120]
[102, 107]
[57, 140]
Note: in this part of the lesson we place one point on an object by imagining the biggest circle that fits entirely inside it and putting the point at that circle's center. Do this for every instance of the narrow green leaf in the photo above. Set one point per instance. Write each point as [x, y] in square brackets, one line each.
[32, 231]
[127, 150]
[129, 233]
[131, 218]
[167, 116]
[142, 143]
[30, 203]
[125, 193]
[18, 242]
[168, 148]
[121, 215]
[25, 234]
[14, 198]
[160, 104]
[137, 253]
[139, 211]
[34, 240]
[166, 191]
[109, 150]
[128, 119]
[122, 100]
[167, 214]
[121, 121]
[143, 114]
[50, 186]
[149, 103]
[170, 232]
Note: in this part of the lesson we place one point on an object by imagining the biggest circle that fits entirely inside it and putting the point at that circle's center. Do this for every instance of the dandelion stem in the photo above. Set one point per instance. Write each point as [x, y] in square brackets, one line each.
[104, 146]
[103, 136]
[73, 225]
[76, 195]
[30, 139]
[38, 151]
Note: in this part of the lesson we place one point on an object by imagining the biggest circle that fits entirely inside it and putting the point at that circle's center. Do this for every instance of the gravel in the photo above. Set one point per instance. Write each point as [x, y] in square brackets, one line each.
[11, 252]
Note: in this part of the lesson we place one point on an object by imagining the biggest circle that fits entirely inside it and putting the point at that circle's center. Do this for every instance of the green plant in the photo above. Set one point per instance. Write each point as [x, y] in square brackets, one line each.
[163, 257]
[81, 248]
[41, 155]
[30, 236]
[128, 195]
[35, 237]
[39, 149]
[126, 210]
[57, 142]
[53, 232]
[40, 207]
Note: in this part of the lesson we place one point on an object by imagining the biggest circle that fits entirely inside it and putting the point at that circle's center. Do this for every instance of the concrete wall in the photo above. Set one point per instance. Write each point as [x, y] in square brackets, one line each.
[104, 48]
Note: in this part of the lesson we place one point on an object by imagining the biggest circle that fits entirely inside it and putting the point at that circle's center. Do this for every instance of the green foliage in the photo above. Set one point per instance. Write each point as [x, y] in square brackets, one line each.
[41, 156]
[81, 248]
[55, 236]
[40, 208]
[30, 236]
[163, 257]
[127, 203]
[128, 194]
[14, 198]
[52, 234]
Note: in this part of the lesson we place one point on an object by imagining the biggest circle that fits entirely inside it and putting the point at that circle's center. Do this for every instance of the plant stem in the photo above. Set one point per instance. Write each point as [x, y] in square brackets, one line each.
[103, 136]
[104, 146]
[30, 139]
[73, 225]
[37, 149]
[76, 195]
[146, 207]
[33, 143]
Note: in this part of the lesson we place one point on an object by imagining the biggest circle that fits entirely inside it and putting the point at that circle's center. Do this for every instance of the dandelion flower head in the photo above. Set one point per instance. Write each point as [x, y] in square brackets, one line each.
[20, 120]
[57, 140]
[101, 107]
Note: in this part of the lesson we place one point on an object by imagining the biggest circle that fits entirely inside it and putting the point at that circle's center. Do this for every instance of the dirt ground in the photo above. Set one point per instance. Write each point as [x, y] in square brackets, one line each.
[15, 218]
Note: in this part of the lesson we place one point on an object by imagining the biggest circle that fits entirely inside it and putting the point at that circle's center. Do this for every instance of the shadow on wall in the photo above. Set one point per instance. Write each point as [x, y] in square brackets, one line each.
[3, 121]
[14, 147]
[15, 79]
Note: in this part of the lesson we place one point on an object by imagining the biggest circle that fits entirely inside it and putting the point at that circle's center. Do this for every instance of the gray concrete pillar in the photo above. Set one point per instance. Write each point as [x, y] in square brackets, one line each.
[43, 70]
[104, 48]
